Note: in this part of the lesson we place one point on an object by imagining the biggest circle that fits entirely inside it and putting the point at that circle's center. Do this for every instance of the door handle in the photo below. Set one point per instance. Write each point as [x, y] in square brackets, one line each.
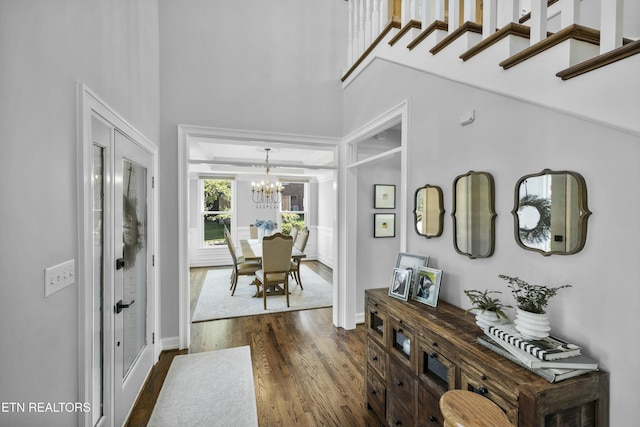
[120, 305]
[119, 263]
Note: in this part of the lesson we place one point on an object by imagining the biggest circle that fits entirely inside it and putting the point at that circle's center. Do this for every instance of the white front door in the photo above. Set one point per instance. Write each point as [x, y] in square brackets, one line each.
[133, 352]
[118, 240]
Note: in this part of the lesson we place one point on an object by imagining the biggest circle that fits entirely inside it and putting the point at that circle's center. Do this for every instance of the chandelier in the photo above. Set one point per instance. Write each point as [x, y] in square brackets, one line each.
[265, 194]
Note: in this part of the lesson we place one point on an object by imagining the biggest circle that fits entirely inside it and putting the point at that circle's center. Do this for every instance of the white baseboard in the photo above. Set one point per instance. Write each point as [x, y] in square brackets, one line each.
[171, 343]
[359, 318]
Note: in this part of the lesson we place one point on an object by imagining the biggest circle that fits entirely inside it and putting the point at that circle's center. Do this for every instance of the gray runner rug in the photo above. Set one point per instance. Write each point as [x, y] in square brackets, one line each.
[208, 389]
[216, 302]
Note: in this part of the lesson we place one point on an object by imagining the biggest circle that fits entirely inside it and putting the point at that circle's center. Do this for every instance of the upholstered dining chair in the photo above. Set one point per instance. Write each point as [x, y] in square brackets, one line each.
[240, 266]
[253, 231]
[276, 257]
[294, 234]
[300, 244]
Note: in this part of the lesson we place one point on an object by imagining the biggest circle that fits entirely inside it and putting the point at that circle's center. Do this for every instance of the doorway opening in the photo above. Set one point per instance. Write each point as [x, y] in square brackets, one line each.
[238, 156]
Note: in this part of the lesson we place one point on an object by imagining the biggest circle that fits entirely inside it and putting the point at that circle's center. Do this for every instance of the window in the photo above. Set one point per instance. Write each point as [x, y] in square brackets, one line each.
[216, 209]
[293, 206]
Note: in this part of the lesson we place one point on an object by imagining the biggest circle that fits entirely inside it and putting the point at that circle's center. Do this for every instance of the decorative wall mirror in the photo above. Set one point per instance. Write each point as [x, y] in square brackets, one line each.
[474, 215]
[551, 222]
[429, 212]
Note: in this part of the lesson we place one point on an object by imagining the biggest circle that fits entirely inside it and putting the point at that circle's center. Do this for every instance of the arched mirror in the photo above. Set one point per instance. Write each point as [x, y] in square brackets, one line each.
[550, 212]
[429, 212]
[474, 214]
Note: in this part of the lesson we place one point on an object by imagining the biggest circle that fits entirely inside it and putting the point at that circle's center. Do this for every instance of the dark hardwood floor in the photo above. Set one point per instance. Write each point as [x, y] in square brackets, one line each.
[306, 371]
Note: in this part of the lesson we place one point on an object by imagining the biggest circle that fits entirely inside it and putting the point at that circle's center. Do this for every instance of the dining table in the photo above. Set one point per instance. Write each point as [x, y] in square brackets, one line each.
[252, 251]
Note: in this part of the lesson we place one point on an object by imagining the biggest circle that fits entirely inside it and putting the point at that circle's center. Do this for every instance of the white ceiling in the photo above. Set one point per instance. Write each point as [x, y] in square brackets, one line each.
[218, 155]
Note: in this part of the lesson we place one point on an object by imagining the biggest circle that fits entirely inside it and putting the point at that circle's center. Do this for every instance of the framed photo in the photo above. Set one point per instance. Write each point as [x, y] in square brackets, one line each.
[426, 287]
[385, 196]
[411, 262]
[400, 284]
[384, 225]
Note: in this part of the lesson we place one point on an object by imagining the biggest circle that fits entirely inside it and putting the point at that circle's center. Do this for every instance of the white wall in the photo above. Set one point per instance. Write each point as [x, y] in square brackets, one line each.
[510, 139]
[45, 49]
[376, 256]
[250, 65]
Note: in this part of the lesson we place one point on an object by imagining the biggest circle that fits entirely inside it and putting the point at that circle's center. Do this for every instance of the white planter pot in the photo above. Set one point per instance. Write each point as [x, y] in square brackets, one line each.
[486, 319]
[262, 232]
[532, 325]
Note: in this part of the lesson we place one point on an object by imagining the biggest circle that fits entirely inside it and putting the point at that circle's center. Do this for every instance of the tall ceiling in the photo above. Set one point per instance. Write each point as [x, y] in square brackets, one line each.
[219, 155]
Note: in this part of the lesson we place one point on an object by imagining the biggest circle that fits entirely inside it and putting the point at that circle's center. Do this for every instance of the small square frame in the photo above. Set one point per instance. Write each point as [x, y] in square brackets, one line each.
[400, 284]
[408, 261]
[426, 287]
[385, 196]
[384, 225]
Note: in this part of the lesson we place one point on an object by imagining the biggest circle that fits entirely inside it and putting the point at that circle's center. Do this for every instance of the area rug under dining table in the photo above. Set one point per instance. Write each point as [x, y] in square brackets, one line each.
[216, 302]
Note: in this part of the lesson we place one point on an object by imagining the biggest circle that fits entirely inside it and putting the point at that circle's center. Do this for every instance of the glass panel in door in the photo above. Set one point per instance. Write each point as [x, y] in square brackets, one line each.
[134, 245]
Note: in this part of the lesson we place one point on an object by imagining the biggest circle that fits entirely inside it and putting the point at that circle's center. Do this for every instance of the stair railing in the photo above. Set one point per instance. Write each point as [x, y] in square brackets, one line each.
[369, 18]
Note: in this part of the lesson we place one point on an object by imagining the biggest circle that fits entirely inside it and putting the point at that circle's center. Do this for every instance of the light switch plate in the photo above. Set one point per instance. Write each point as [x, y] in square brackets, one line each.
[59, 277]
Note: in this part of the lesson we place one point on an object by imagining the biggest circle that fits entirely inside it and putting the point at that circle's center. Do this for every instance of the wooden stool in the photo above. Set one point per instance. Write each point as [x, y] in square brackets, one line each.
[461, 408]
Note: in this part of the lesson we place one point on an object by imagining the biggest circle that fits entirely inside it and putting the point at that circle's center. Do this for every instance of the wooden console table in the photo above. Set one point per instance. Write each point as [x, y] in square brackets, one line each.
[404, 384]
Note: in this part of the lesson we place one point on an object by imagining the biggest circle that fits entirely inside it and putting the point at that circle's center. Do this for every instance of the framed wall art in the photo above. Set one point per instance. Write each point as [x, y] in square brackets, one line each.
[400, 284]
[385, 196]
[426, 287]
[384, 225]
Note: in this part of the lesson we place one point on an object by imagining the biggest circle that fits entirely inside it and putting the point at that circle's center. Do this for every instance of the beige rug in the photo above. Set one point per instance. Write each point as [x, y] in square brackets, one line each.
[216, 302]
[208, 389]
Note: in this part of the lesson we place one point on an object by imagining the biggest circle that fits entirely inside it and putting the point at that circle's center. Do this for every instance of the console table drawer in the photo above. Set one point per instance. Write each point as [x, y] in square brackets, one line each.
[397, 415]
[436, 370]
[487, 383]
[402, 342]
[376, 394]
[377, 358]
[403, 385]
[429, 414]
[468, 382]
[377, 324]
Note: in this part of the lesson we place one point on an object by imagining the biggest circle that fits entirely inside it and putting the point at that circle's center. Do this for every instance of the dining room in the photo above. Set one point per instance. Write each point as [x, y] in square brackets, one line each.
[223, 176]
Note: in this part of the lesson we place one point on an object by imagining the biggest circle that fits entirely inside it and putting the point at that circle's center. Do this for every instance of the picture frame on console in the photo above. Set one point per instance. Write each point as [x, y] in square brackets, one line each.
[400, 284]
[408, 261]
[426, 286]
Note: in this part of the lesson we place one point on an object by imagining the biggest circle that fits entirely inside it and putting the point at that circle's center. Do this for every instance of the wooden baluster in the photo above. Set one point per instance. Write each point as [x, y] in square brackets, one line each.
[611, 25]
[569, 13]
[454, 15]
[361, 45]
[427, 13]
[469, 12]
[384, 13]
[367, 23]
[538, 21]
[375, 19]
[509, 12]
[439, 11]
[350, 29]
[489, 17]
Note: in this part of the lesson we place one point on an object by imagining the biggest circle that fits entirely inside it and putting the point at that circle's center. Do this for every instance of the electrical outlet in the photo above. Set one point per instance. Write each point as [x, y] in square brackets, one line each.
[59, 276]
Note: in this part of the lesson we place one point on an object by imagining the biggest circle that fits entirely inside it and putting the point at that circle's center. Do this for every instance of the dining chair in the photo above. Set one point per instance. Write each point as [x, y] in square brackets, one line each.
[253, 231]
[294, 234]
[276, 257]
[240, 266]
[300, 244]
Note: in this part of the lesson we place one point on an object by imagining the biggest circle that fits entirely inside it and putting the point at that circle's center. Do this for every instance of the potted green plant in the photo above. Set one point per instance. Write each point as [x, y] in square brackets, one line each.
[531, 302]
[488, 310]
